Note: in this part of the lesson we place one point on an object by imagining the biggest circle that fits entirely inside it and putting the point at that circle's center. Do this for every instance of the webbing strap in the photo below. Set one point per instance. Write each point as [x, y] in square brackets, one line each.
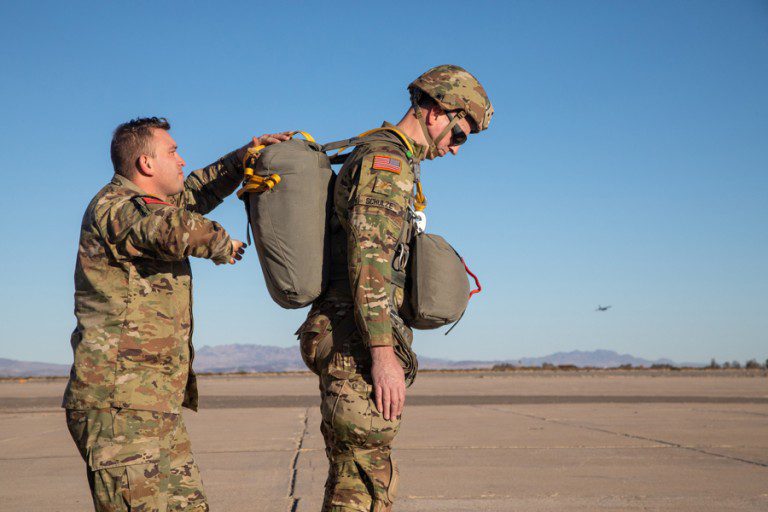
[341, 145]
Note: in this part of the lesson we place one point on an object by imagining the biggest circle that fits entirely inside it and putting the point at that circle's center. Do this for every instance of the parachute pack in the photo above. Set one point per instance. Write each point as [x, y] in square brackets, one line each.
[288, 195]
[437, 288]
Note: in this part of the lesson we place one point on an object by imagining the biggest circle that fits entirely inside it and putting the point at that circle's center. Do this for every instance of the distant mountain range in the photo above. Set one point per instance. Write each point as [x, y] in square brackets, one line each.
[261, 358]
[13, 368]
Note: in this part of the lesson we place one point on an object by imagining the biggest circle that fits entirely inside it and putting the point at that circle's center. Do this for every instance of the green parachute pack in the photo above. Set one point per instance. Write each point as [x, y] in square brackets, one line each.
[288, 195]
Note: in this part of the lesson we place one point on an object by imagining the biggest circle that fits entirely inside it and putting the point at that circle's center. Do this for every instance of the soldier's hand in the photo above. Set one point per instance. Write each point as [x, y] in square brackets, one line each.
[269, 139]
[264, 140]
[238, 249]
[388, 382]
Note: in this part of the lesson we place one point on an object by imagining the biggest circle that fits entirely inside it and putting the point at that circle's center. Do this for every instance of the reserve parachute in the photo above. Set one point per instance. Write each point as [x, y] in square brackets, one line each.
[437, 287]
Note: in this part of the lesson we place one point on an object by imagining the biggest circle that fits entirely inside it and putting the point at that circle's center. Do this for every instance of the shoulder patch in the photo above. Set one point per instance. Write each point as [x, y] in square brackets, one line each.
[387, 163]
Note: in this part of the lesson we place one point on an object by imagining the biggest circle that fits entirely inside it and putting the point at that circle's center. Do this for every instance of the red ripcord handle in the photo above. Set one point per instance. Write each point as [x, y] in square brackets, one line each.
[477, 281]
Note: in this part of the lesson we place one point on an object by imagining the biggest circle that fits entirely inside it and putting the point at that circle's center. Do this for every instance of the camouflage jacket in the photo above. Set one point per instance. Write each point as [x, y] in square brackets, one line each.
[133, 291]
[372, 195]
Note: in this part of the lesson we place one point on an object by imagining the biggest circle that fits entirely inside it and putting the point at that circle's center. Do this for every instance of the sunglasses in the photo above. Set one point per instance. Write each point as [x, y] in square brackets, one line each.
[458, 137]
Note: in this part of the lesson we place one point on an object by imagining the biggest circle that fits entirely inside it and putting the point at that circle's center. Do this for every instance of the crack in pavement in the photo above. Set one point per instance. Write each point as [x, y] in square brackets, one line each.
[631, 436]
[294, 501]
[46, 404]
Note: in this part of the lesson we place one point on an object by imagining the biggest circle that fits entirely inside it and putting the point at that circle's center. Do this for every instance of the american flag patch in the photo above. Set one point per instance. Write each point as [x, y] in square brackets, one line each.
[387, 163]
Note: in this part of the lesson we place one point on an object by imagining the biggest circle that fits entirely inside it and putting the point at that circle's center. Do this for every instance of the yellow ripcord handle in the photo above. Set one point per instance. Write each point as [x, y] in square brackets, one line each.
[419, 199]
[255, 183]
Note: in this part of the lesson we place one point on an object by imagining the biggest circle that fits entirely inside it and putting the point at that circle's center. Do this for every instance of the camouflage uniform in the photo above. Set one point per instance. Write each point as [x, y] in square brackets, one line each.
[361, 309]
[371, 207]
[132, 370]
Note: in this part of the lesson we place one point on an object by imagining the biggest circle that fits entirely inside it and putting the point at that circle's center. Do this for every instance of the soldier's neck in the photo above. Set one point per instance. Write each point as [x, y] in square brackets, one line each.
[410, 126]
[147, 185]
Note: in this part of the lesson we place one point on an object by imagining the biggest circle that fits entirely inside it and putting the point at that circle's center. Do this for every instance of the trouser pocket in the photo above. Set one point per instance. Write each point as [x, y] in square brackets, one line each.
[127, 476]
[394, 480]
[315, 341]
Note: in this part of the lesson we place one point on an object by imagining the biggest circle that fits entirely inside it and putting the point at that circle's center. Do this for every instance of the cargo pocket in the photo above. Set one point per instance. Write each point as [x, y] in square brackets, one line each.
[394, 481]
[351, 414]
[129, 473]
[315, 342]
[384, 478]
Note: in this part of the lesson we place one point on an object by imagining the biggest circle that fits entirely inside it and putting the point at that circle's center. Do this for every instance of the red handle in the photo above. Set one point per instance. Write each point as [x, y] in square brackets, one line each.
[477, 281]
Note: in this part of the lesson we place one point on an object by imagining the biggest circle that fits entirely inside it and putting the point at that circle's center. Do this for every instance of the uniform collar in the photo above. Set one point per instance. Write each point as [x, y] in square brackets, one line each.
[122, 181]
[420, 152]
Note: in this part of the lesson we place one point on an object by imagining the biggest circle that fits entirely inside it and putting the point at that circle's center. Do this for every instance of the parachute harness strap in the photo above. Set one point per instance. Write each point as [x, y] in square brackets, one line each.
[252, 182]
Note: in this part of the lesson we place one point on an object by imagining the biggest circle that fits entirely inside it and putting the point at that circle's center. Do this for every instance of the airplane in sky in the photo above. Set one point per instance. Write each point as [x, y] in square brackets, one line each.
[602, 308]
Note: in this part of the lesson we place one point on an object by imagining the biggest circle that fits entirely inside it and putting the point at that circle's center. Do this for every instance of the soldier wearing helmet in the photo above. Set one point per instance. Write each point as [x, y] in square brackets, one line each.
[354, 337]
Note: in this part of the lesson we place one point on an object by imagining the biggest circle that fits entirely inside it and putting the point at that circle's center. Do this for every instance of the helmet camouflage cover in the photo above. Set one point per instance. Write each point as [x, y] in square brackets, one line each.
[454, 88]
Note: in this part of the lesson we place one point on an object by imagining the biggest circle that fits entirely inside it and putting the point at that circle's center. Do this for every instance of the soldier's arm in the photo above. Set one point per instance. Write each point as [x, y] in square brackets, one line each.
[376, 219]
[206, 188]
[148, 228]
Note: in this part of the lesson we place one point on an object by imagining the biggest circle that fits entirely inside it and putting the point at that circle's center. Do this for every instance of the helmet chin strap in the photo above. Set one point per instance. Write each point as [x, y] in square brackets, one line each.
[432, 148]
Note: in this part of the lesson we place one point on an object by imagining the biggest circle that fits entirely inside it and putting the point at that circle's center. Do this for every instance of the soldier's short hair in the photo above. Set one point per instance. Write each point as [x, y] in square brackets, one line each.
[421, 99]
[131, 140]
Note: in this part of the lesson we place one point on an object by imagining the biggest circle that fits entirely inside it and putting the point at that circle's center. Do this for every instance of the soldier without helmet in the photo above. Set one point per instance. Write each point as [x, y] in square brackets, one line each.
[354, 338]
[132, 370]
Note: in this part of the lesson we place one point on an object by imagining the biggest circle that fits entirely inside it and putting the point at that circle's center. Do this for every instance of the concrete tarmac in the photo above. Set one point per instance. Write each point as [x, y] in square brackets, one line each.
[539, 441]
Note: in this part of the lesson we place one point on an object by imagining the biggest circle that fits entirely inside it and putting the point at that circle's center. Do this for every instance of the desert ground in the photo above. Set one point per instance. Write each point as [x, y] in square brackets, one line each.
[470, 441]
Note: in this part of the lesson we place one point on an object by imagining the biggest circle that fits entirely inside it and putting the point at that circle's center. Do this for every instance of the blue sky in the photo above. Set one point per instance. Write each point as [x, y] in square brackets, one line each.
[627, 163]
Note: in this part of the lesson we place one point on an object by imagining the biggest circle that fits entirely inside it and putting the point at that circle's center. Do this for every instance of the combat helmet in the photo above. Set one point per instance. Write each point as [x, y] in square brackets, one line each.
[454, 88]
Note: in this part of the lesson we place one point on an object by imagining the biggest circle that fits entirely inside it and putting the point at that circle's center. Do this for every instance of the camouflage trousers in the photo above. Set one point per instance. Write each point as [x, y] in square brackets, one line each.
[137, 460]
[362, 475]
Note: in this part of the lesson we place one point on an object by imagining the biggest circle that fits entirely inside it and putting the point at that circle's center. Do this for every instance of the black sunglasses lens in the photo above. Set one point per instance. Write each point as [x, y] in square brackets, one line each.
[459, 137]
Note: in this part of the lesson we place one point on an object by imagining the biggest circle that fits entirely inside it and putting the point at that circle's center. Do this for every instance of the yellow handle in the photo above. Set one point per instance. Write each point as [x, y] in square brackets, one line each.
[251, 153]
[305, 134]
[420, 200]
[252, 182]
[256, 150]
[258, 184]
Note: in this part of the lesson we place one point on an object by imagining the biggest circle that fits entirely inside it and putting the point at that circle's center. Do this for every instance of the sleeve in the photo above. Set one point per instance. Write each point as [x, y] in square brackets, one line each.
[377, 213]
[206, 188]
[148, 228]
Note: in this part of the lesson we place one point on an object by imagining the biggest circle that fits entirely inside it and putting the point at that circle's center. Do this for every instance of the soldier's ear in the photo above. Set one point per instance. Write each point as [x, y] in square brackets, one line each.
[433, 114]
[144, 165]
